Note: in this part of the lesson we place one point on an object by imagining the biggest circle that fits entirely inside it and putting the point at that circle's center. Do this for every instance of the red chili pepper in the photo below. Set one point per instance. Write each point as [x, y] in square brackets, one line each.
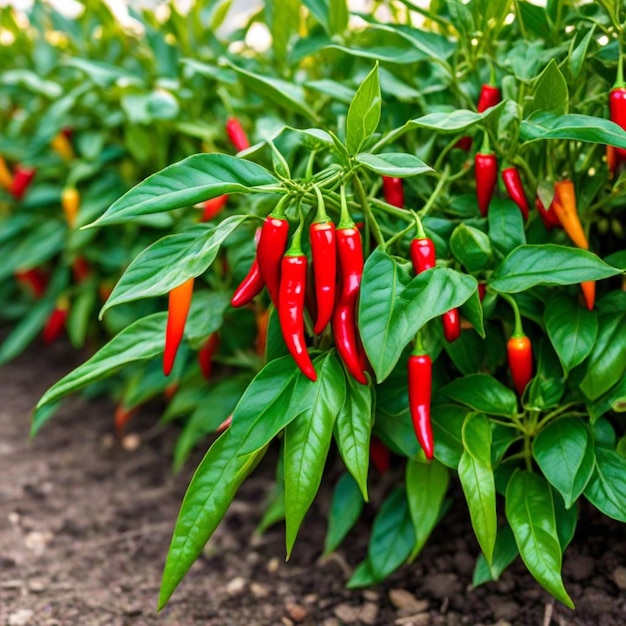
[520, 355]
[380, 455]
[80, 269]
[237, 134]
[291, 305]
[56, 322]
[486, 171]
[122, 416]
[252, 284]
[213, 207]
[451, 325]
[206, 353]
[420, 389]
[612, 160]
[482, 290]
[22, 178]
[34, 279]
[617, 107]
[422, 254]
[393, 191]
[490, 95]
[178, 308]
[344, 324]
[270, 251]
[515, 189]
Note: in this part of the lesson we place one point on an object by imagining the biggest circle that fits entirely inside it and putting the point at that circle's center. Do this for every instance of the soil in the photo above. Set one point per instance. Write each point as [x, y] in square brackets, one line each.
[85, 523]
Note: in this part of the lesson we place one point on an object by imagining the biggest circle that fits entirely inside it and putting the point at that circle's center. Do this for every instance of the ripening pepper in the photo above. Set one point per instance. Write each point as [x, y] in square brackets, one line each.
[515, 189]
[62, 145]
[70, 202]
[22, 178]
[6, 178]
[178, 309]
[237, 134]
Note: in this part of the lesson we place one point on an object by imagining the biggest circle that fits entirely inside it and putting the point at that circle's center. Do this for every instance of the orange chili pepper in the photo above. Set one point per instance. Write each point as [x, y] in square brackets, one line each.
[565, 208]
[62, 146]
[6, 178]
[179, 303]
[589, 293]
[70, 202]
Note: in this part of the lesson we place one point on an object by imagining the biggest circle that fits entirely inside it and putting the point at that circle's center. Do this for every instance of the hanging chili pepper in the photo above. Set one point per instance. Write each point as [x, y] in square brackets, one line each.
[489, 96]
[564, 206]
[380, 455]
[422, 253]
[451, 325]
[548, 216]
[271, 248]
[324, 259]
[206, 353]
[486, 173]
[22, 178]
[35, 279]
[80, 269]
[519, 352]
[178, 308]
[589, 293]
[617, 103]
[237, 134]
[56, 322]
[344, 323]
[612, 160]
[170, 391]
[62, 146]
[6, 178]
[213, 207]
[420, 390]
[482, 290]
[291, 304]
[122, 416]
[70, 202]
[393, 191]
[515, 189]
[252, 284]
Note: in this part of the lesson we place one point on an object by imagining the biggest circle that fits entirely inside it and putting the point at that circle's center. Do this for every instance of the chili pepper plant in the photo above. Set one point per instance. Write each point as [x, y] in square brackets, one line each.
[375, 283]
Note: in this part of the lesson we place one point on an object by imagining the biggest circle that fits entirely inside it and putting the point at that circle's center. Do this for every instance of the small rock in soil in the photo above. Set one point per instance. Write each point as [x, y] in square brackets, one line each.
[311, 598]
[346, 613]
[371, 596]
[38, 541]
[578, 567]
[405, 601]
[421, 619]
[236, 586]
[442, 585]
[273, 565]
[296, 612]
[286, 621]
[131, 442]
[619, 577]
[259, 591]
[502, 608]
[464, 563]
[21, 618]
[369, 613]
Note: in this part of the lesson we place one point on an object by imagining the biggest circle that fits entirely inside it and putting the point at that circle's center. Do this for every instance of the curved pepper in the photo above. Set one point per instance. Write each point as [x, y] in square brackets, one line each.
[420, 390]
[178, 309]
[548, 216]
[515, 189]
[565, 209]
[252, 284]
[344, 323]
[237, 134]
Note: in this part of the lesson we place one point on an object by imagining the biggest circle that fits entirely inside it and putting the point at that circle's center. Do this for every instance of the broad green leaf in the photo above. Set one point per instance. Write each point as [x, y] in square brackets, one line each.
[587, 128]
[345, 510]
[206, 316]
[506, 226]
[192, 180]
[548, 384]
[482, 393]
[398, 164]
[337, 16]
[426, 487]
[447, 422]
[333, 89]
[549, 92]
[607, 361]
[566, 520]
[393, 306]
[283, 93]
[208, 496]
[364, 112]
[319, 10]
[471, 247]
[612, 400]
[140, 341]
[283, 20]
[363, 576]
[578, 54]
[572, 330]
[171, 261]
[564, 452]
[392, 537]
[607, 488]
[453, 121]
[504, 554]
[476, 476]
[353, 430]
[530, 512]
[307, 441]
[547, 264]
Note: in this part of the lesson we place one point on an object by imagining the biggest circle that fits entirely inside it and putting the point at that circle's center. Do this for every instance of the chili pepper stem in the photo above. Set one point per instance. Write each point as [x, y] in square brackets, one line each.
[367, 211]
[436, 192]
[518, 330]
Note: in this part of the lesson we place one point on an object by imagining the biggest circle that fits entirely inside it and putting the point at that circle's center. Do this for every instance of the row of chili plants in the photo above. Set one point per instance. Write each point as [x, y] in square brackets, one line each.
[455, 170]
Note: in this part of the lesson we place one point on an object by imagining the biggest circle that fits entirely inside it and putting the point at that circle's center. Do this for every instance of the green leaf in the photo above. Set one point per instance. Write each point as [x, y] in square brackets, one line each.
[307, 441]
[363, 576]
[506, 226]
[471, 247]
[364, 112]
[426, 487]
[337, 16]
[140, 341]
[393, 307]
[612, 400]
[208, 496]
[548, 384]
[476, 476]
[171, 261]
[192, 180]
[504, 554]
[607, 488]
[353, 430]
[482, 393]
[530, 512]
[447, 422]
[206, 315]
[564, 452]
[392, 537]
[543, 126]
[549, 92]
[578, 54]
[398, 164]
[566, 520]
[547, 264]
[607, 361]
[454, 121]
[572, 330]
[345, 510]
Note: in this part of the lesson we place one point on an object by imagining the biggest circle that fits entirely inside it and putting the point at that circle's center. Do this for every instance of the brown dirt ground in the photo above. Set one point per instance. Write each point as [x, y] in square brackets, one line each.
[85, 523]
